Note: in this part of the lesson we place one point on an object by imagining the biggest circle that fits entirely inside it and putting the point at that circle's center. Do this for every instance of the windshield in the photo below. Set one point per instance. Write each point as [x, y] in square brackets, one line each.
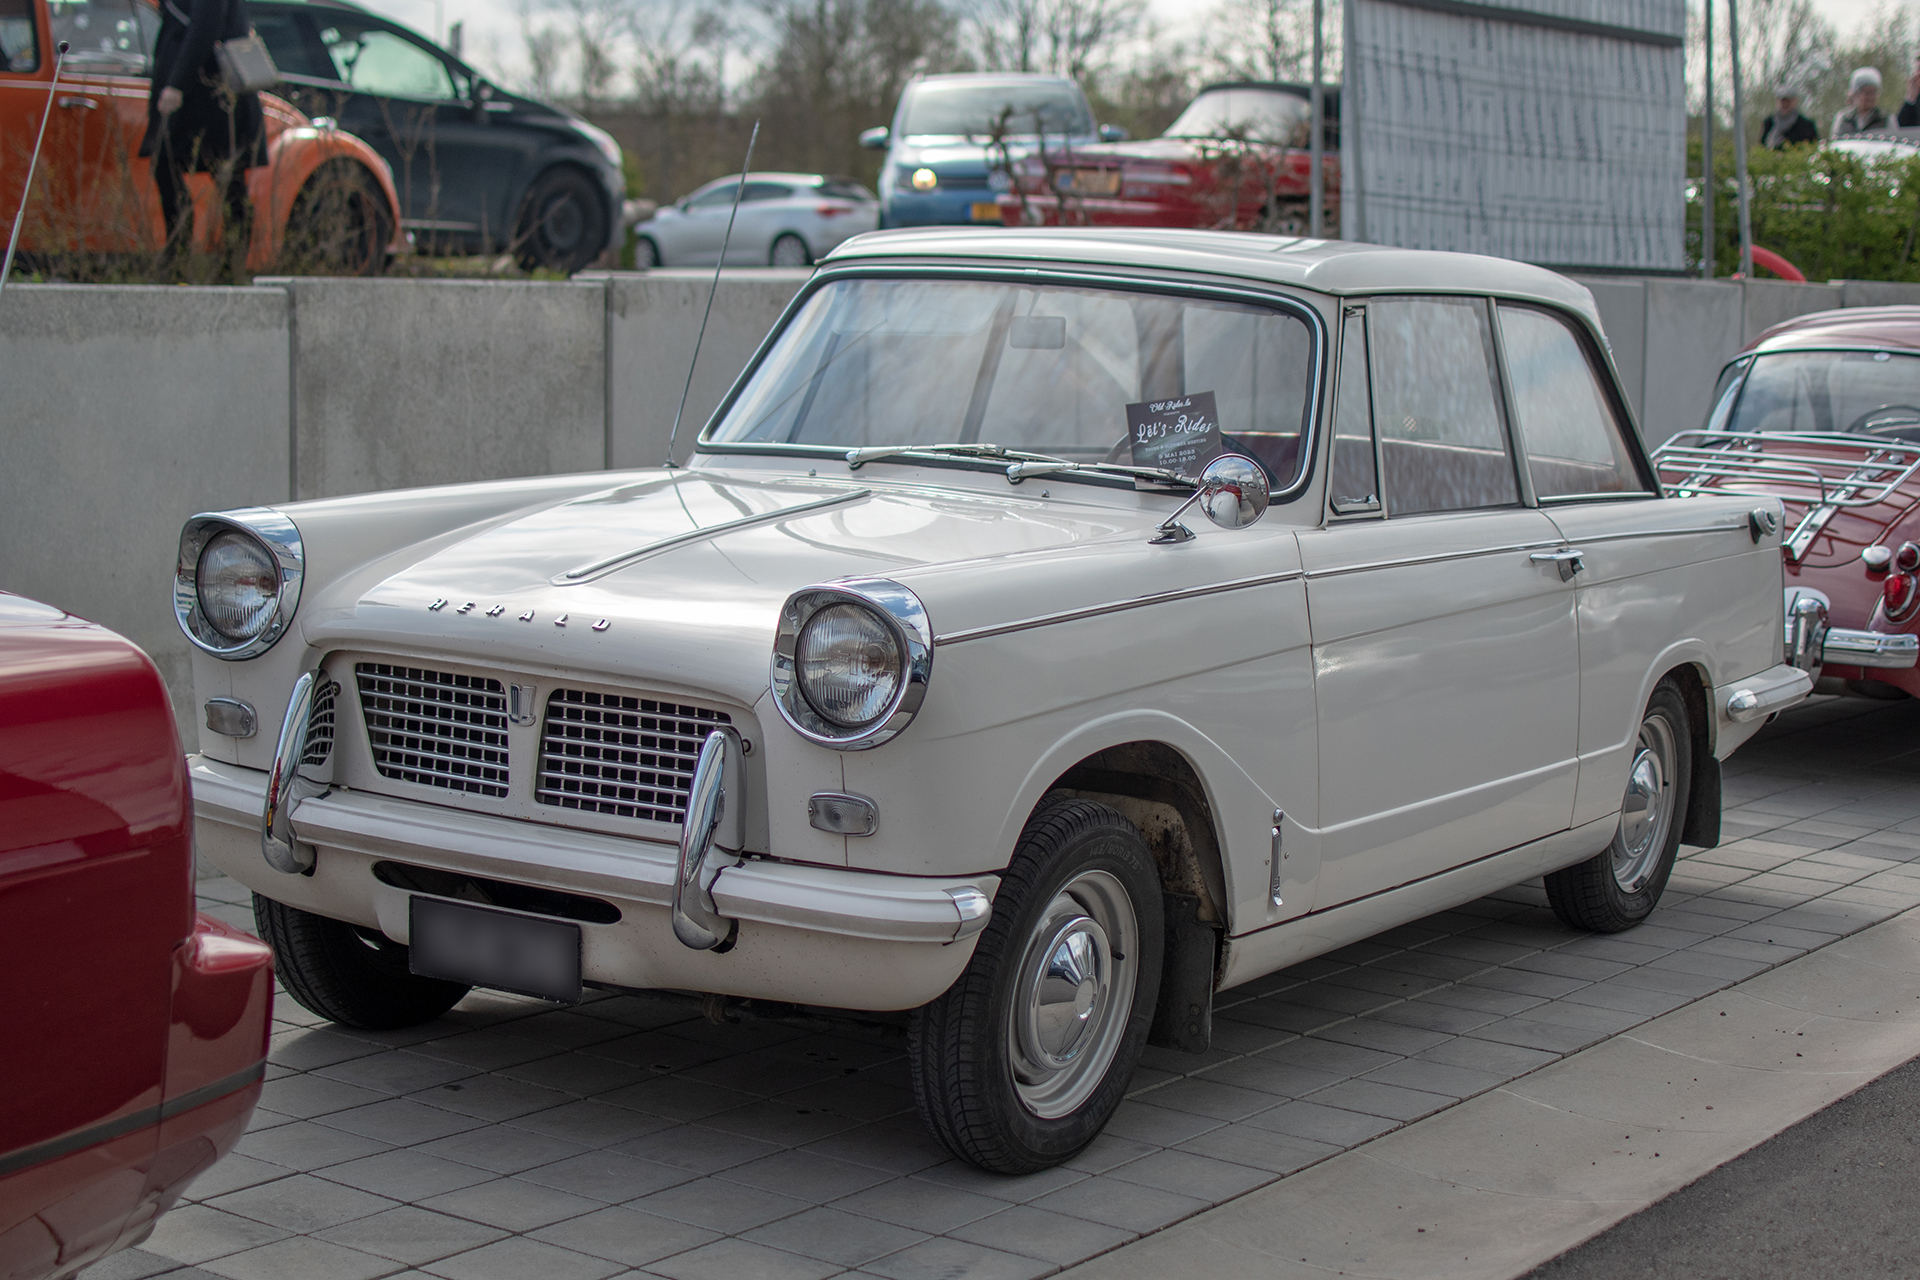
[1256, 115]
[972, 108]
[1874, 393]
[1075, 373]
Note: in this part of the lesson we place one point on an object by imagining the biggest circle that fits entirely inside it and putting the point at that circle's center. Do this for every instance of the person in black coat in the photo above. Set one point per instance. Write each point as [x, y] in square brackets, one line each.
[194, 125]
[1786, 126]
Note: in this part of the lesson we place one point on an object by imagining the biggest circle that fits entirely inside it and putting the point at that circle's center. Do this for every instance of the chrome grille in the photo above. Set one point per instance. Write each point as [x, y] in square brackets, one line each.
[627, 756]
[435, 727]
[319, 744]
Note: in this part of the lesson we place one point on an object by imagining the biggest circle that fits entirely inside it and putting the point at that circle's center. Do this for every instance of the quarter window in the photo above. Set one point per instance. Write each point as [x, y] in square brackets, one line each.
[1436, 407]
[1573, 442]
[102, 35]
[1356, 473]
[19, 37]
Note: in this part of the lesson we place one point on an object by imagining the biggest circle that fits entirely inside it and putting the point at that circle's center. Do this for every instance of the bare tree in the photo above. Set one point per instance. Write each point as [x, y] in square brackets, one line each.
[1078, 38]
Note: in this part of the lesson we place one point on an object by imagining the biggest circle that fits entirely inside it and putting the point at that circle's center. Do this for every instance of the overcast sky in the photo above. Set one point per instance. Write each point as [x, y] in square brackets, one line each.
[493, 41]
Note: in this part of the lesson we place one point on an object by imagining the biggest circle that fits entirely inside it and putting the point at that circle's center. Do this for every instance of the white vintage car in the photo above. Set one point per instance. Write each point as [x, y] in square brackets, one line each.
[937, 683]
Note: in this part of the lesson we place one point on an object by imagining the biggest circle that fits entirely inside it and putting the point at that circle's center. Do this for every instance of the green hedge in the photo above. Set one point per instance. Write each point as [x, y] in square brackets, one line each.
[1832, 215]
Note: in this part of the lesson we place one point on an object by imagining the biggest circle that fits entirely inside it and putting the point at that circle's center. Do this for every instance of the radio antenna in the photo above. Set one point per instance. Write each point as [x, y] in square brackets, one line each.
[20, 215]
[708, 314]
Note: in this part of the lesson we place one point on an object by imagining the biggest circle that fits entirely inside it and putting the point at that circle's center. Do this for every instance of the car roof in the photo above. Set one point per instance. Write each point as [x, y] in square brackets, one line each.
[989, 77]
[1850, 327]
[1329, 266]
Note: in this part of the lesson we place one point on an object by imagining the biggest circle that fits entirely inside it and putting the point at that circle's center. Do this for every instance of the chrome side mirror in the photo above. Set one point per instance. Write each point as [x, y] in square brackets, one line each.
[1232, 492]
[876, 138]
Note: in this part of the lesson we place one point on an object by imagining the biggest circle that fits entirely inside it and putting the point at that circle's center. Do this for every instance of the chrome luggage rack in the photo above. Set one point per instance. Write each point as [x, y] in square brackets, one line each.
[1858, 473]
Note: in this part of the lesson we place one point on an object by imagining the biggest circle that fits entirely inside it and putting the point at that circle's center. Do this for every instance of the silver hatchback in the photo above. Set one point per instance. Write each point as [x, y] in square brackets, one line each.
[785, 220]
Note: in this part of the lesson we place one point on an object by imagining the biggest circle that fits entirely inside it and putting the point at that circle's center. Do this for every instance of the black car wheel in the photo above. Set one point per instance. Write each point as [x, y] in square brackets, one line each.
[646, 254]
[349, 975]
[563, 224]
[340, 223]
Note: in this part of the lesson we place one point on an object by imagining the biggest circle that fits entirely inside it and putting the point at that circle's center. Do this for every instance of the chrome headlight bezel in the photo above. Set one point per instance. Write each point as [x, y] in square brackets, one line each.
[901, 612]
[281, 540]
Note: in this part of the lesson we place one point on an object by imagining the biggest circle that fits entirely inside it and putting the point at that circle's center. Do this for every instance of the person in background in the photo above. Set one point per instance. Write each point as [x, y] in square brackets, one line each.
[1786, 126]
[196, 125]
[1909, 116]
[1863, 113]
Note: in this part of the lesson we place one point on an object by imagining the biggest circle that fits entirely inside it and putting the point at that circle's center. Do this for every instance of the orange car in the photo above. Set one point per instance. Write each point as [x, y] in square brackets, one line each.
[322, 194]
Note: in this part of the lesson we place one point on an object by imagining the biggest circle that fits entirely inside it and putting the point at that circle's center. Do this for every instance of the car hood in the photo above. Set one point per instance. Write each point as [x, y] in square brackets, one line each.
[679, 576]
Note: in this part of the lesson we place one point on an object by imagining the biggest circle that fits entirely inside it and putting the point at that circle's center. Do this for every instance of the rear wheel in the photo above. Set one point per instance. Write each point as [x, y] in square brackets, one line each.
[646, 254]
[1619, 887]
[340, 223]
[1024, 1059]
[563, 224]
[356, 977]
[790, 251]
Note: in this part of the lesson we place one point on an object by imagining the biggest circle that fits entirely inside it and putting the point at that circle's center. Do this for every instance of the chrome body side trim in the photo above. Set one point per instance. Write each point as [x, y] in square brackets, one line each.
[1113, 606]
[592, 570]
[1870, 649]
[281, 539]
[710, 842]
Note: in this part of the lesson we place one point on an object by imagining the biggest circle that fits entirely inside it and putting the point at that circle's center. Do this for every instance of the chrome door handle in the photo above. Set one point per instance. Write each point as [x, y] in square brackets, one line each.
[84, 104]
[1567, 560]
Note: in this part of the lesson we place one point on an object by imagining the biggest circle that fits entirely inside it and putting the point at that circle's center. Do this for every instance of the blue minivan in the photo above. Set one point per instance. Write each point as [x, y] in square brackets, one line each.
[942, 165]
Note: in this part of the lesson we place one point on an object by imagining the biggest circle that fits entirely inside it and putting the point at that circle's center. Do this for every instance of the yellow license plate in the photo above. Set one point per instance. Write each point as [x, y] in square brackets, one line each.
[986, 211]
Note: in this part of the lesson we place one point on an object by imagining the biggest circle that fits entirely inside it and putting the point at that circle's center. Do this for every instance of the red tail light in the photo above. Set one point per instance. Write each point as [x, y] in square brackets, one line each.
[832, 210]
[1907, 558]
[1898, 593]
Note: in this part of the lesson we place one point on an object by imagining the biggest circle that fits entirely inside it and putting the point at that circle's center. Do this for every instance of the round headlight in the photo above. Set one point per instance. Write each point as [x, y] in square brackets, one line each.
[239, 585]
[848, 665]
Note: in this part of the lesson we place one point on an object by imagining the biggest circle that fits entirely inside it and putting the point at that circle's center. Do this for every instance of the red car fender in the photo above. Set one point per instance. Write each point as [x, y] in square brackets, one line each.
[295, 149]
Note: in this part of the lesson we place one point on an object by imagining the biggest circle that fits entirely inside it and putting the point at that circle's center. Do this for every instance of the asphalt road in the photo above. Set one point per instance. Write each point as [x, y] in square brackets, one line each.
[1837, 1196]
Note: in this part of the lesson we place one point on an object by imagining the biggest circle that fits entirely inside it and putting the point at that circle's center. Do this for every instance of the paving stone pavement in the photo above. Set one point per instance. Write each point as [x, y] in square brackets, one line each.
[631, 1136]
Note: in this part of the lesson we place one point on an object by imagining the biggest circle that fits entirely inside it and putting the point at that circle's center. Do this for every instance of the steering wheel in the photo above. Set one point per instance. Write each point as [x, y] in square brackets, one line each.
[1885, 419]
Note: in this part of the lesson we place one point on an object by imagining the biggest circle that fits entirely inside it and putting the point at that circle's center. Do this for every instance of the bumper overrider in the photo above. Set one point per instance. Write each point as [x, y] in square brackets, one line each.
[704, 917]
[1812, 643]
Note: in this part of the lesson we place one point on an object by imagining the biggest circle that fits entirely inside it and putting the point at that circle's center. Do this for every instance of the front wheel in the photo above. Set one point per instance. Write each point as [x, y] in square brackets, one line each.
[1620, 886]
[1024, 1059]
[340, 224]
[349, 975]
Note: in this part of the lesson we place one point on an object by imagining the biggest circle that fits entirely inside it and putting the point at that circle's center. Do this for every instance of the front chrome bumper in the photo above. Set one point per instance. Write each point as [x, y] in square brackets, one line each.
[811, 934]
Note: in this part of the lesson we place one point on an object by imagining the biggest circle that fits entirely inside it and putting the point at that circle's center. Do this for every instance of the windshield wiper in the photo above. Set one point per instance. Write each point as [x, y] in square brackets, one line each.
[857, 458]
[1052, 466]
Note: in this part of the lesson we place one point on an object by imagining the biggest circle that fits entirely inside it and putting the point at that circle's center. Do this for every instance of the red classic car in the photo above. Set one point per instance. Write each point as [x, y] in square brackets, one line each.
[1823, 412]
[1236, 159]
[136, 1029]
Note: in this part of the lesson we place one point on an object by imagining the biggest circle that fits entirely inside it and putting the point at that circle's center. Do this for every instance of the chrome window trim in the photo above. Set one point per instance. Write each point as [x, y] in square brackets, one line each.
[900, 609]
[270, 529]
[1248, 293]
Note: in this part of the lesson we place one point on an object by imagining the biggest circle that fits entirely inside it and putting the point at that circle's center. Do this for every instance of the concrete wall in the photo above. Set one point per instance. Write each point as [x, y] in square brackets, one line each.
[123, 410]
[1671, 337]
[653, 321]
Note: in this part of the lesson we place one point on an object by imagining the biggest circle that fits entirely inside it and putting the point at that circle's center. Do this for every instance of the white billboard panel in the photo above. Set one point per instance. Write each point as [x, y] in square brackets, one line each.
[1551, 131]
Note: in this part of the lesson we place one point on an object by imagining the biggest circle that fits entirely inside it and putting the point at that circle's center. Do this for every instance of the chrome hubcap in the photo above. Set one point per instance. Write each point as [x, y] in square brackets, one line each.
[1646, 811]
[1073, 996]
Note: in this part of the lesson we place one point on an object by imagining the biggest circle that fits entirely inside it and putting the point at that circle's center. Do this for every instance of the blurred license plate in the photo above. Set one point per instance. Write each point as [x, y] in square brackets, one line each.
[986, 211]
[495, 949]
[1091, 182]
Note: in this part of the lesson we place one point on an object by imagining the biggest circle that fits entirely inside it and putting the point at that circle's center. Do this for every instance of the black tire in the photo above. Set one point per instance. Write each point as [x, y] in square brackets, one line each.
[963, 1048]
[1620, 886]
[355, 977]
[341, 223]
[789, 250]
[563, 222]
[646, 254]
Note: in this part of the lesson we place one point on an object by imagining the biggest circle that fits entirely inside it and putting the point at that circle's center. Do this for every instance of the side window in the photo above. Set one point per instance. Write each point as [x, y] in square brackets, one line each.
[102, 36]
[1573, 441]
[717, 198]
[288, 44]
[765, 191]
[1356, 474]
[387, 66]
[19, 37]
[1437, 407]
